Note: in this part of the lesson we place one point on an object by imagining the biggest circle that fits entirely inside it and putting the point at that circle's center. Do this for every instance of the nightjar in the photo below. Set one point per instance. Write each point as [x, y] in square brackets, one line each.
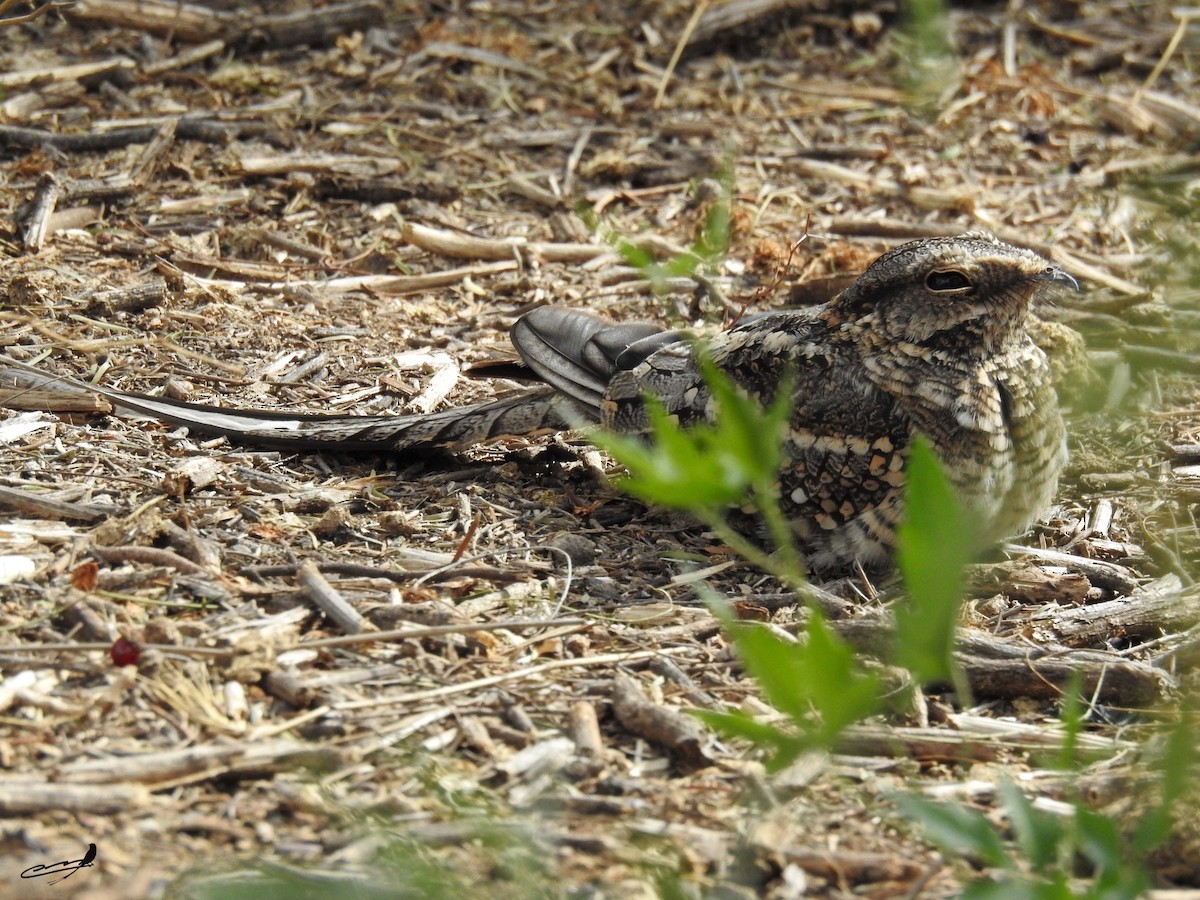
[931, 339]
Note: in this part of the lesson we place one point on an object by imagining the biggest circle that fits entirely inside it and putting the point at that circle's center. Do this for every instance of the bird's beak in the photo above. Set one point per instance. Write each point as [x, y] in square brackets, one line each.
[1058, 275]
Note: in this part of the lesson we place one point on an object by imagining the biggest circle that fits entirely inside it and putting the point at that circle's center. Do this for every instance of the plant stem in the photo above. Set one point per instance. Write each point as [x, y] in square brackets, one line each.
[750, 552]
[790, 566]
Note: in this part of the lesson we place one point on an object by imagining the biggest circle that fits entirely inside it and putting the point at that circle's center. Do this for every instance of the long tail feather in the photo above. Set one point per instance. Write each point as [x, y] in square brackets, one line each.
[524, 413]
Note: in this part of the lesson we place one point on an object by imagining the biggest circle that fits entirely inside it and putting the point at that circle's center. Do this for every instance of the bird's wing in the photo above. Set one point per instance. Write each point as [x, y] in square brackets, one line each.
[579, 354]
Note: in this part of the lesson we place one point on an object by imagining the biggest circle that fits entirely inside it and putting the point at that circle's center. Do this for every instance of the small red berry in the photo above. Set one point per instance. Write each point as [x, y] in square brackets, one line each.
[124, 652]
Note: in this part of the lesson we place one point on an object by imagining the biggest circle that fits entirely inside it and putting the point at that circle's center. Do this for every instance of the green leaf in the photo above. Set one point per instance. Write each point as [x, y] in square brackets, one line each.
[713, 242]
[1057, 888]
[1072, 720]
[739, 724]
[785, 746]
[839, 688]
[709, 465]
[681, 265]
[818, 683]
[989, 889]
[773, 662]
[1100, 841]
[956, 829]
[677, 468]
[1038, 834]
[636, 256]
[934, 544]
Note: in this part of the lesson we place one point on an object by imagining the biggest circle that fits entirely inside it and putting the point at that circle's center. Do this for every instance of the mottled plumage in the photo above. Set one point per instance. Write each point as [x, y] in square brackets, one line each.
[930, 339]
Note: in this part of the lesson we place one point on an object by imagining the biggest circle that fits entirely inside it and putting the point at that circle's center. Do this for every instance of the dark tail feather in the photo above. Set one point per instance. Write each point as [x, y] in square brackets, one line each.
[578, 353]
[524, 413]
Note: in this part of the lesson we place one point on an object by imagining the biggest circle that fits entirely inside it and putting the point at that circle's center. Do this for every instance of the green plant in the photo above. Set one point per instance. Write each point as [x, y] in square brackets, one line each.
[926, 66]
[818, 683]
[821, 687]
[708, 249]
[935, 544]
[1085, 854]
[709, 467]
[705, 469]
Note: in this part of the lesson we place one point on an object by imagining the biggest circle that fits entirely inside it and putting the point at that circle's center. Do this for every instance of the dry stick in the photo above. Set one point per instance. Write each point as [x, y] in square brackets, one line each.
[1159, 357]
[32, 504]
[21, 105]
[174, 767]
[1101, 574]
[45, 199]
[193, 128]
[59, 74]
[449, 243]
[62, 342]
[1185, 453]
[403, 634]
[93, 646]
[33, 797]
[37, 13]
[354, 164]
[1048, 734]
[840, 867]
[399, 576]
[40, 400]
[383, 739]
[182, 59]
[513, 675]
[585, 730]
[291, 245]
[183, 21]
[576, 154]
[381, 284]
[890, 228]
[1184, 17]
[27, 138]
[134, 298]
[73, 218]
[287, 686]
[151, 556]
[506, 551]
[481, 57]
[658, 724]
[309, 26]
[694, 694]
[99, 190]
[1073, 263]
[1009, 54]
[328, 600]
[948, 745]
[153, 153]
[677, 53]
[996, 667]
[1106, 676]
[525, 188]
[474, 733]
[1146, 613]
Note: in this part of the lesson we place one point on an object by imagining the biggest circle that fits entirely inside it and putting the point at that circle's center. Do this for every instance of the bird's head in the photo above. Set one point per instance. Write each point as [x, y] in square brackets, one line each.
[969, 293]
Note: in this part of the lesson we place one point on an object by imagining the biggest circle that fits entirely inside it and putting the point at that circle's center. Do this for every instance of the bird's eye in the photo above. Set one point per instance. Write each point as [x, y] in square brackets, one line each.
[944, 280]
